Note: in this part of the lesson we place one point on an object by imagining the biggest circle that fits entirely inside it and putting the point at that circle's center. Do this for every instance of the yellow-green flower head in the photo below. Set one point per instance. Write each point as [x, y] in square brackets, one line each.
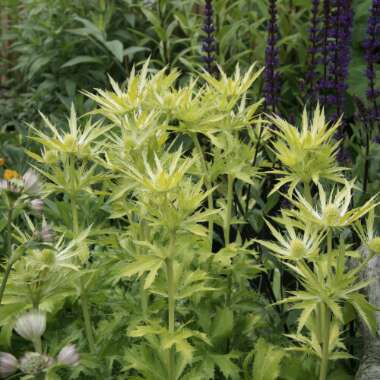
[79, 141]
[164, 174]
[367, 234]
[332, 211]
[294, 245]
[231, 89]
[307, 154]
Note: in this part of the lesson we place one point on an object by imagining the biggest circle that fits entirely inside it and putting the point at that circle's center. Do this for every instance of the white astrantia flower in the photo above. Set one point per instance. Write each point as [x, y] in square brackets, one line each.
[31, 325]
[68, 356]
[33, 363]
[32, 182]
[8, 364]
[13, 186]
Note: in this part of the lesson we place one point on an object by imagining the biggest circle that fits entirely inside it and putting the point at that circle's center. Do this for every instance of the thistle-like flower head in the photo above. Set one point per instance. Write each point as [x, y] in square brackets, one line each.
[368, 235]
[293, 244]
[80, 141]
[164, 174]
[31, 325]
[332, 210]
[307, 155]
[232, 88]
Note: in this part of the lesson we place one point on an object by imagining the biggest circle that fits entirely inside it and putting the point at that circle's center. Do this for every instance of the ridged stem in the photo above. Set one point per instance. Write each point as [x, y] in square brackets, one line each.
[208, 187]
[83, 296]
[8, 251]
[171, 304]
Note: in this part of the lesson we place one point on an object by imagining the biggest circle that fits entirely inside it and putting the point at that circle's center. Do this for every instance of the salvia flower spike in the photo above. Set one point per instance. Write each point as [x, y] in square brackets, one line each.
[371, 46]
[313, 51]
[209, 42]
[271, 76]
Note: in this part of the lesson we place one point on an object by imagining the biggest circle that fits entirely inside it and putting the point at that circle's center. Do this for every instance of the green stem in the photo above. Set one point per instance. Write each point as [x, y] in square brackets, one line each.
[8, 250]
[325, 319]
[87, 318]
[83, 296]
[307, 192]
[74, 214]
[144, 300]
[208, 187]
[329, 249]
[171, 305]
[38, 345]
[253, 164]
[5, 279]
[227, 226]
[8, 245]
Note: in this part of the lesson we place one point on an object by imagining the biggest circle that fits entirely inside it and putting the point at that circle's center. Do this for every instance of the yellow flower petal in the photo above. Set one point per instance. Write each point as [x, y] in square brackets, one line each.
[10, 174]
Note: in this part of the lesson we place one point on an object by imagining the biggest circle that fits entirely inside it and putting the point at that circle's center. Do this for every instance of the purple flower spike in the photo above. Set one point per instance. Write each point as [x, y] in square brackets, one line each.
[371, 46]
[209, 43]
[335, 56]
[313, 51]
[271, 76]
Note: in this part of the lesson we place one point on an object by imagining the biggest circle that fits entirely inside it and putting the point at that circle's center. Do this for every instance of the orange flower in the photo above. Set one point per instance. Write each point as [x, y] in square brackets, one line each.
[10, 174]
[2, 161]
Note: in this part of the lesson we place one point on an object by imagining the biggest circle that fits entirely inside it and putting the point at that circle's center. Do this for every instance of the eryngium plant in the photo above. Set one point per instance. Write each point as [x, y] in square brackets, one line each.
[311, 242]
[146, 193]
[166, 189]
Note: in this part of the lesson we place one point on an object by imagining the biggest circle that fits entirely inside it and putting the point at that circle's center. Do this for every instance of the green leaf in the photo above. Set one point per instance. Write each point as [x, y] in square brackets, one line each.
[116, 48]
[223, 324]
[365, 310]
[229, 369]
[143, 264]
[266, 365]
[81, 59]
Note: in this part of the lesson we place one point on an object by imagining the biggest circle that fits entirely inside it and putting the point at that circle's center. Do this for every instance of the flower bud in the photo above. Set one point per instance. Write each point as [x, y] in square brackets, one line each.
[37, 205]
[374, 245]
[33, 363]
[68, 356]
[31, 325]
[8, 364]
[46, 233]
[32, 183]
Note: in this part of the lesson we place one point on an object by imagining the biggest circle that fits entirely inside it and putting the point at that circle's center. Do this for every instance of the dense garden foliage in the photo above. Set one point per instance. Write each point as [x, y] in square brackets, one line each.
[189, 189]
